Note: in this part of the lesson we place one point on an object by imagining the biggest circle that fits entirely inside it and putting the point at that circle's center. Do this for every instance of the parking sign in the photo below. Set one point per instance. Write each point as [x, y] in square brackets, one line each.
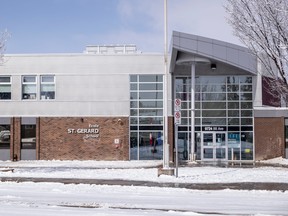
[177, 117]
[177, 104]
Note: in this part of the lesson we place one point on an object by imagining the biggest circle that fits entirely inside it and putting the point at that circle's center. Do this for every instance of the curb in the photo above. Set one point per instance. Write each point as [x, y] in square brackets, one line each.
[270, 186]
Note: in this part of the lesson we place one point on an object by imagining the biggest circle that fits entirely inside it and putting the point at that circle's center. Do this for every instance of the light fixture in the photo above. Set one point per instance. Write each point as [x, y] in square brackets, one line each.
[213, 66]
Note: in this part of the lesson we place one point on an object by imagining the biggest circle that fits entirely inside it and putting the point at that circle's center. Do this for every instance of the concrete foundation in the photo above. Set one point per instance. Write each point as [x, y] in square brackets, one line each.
[166, 171]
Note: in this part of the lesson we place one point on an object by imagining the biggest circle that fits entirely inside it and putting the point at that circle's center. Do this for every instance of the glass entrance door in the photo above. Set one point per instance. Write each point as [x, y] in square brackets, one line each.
[214, 146]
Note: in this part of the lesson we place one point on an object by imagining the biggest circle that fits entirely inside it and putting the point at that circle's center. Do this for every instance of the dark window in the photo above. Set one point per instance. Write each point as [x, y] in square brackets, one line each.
[5, 87]
[4, 136]
[28, 136]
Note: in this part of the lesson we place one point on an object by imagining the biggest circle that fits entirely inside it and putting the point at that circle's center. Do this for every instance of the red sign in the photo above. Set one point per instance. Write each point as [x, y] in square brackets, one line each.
[177, 117]
[177, 104]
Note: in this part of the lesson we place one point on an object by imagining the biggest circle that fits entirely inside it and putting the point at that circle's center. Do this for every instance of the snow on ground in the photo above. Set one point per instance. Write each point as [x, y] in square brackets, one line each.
[57, 199]
[143, 171]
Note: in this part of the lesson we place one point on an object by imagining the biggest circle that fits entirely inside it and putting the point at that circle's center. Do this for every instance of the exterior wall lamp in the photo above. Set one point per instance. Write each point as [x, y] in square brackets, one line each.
[213, 66]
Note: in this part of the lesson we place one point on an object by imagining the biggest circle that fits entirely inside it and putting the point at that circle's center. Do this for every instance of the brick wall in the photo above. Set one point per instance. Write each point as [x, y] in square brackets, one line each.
[56, 143]
[171, 137]
[37, 138]
[15, 138]
[269, 138]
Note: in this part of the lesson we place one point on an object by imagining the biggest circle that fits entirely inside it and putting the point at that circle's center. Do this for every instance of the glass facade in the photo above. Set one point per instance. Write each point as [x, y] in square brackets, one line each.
[223, 117]
[146, 117]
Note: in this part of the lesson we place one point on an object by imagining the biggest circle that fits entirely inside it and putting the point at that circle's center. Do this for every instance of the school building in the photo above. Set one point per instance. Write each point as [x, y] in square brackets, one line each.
[107, 104]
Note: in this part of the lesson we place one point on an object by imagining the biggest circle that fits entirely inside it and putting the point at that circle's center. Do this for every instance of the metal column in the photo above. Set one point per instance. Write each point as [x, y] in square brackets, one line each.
[193, 111]
[166, 145]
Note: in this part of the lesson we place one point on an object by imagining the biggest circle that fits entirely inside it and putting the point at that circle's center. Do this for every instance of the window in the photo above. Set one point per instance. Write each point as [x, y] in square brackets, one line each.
[221, 101]
[4, 136]
[146, 117]
[28, 136]
[5, 87]
[47, 87]
[29, 87]
[286, 135]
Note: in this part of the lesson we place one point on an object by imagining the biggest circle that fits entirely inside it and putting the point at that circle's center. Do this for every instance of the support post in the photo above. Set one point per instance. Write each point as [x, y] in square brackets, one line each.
[165, 149]
[176, 150]
[193, 111]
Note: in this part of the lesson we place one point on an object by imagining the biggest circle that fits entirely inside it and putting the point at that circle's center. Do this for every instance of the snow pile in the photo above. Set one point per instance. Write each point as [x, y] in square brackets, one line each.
[82, 164]
[276, 161]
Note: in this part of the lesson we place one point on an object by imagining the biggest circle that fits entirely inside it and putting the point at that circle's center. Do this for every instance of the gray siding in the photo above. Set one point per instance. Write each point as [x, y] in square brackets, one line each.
[86, 85]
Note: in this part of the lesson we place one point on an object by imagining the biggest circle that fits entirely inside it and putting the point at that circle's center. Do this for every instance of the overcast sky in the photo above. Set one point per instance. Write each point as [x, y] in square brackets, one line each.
[61, 26]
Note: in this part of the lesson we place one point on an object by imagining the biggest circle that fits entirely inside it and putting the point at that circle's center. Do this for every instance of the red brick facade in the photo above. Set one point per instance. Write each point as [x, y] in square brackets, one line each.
[269, 138]
[69, 138]
[76, 138]
[15, 138]
[171, 137]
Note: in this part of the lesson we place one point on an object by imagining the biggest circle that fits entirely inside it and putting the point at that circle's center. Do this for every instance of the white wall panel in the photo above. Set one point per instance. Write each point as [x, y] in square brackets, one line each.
[86, 84]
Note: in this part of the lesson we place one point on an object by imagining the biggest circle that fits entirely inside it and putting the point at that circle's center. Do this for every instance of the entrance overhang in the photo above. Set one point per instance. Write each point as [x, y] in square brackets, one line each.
[229, 59]
[188, 59]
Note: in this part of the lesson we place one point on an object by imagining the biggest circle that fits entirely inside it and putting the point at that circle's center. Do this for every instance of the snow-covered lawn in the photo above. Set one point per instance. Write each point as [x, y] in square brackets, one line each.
[58, 199]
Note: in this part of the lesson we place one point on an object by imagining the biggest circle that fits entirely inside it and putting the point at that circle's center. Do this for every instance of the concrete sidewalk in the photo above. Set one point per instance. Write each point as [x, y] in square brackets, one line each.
[194, 186]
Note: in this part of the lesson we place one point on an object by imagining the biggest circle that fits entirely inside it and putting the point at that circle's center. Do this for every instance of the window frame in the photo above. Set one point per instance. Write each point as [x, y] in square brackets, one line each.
[43, 83]
[29, 83]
